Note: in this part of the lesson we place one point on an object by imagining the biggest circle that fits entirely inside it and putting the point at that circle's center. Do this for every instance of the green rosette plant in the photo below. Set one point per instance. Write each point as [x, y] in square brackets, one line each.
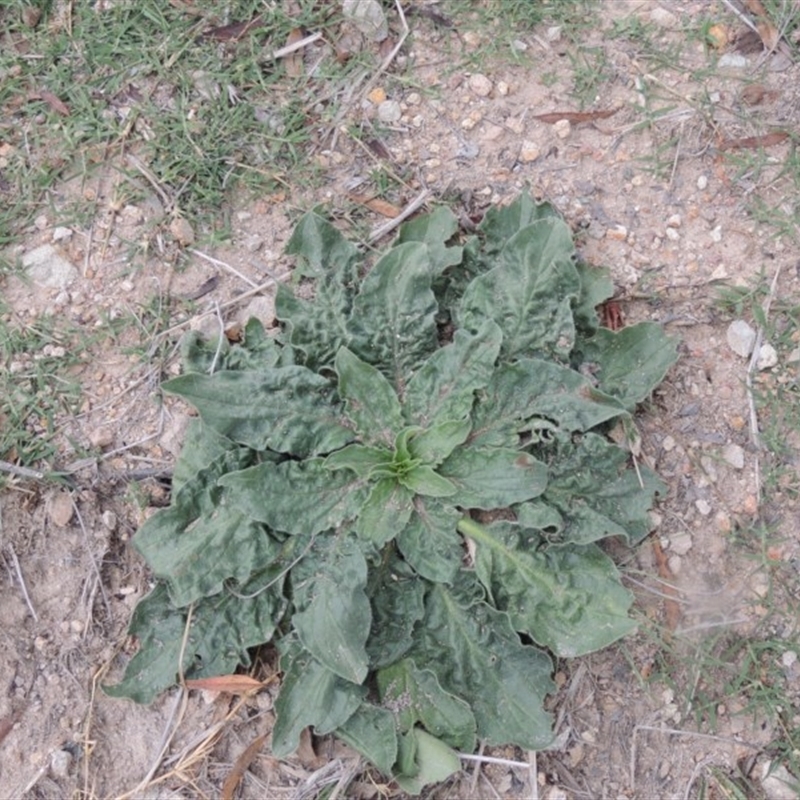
[404, 489]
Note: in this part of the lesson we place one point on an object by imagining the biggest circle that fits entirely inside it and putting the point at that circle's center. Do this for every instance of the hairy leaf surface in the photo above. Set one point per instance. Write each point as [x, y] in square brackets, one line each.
[529, 294]
[310, 695]
[392, 323]
[429, 541]
[492, 477]
[443, 389]
[287, 409]
[475, 653]
[333, 612]
[570, 601]
[297, 496]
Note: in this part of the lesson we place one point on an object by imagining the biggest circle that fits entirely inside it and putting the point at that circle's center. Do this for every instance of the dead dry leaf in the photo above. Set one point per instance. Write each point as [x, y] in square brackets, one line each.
[305, 751]
[294, 61]
[719, 36]
[232, 32]
[240, 767]
[60, 509]
[754, 142]
[575, 117]
[56, 103]
[377, 205]
[232, 684]
[770, 36]
[672, 609]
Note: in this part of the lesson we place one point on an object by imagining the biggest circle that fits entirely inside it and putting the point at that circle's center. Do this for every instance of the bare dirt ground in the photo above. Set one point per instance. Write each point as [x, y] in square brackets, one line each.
[669, 222]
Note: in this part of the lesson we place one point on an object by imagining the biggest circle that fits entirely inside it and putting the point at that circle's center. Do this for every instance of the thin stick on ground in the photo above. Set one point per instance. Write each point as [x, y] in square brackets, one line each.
[755, 436]
[21, 582]
[223, 265]
[21, 472]
[95, 567]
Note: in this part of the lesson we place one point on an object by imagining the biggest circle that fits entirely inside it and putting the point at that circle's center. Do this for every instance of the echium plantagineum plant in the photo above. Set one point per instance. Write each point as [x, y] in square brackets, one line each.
[403, 490]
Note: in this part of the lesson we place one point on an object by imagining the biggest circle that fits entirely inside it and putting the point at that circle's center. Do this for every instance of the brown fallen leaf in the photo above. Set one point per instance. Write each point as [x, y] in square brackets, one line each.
[56, 103]
[754, 142]
[770, 36]
[380, 149]
[672, 609]
[376, 204]
[718, 36]
[240, 767]
[232, 684]
[294, 61]
[576, 117]
[232, 32]
[305, 752]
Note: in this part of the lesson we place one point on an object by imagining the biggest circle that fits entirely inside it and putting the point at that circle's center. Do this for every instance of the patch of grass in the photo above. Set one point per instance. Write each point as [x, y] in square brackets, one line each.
[35, 386]
[206, 111]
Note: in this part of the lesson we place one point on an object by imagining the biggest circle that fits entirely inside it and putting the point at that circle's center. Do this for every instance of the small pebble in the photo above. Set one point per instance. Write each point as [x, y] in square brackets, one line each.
[674, 221]
[503, 88]
[788, 659]
[680, 543]
[529, 152]
[60, 234]
[480, 85]
[110, 520]
[703, 507]
[660, 16]
[389, 111]
[668, 444]
[734, 455]
[519, 45]
[413, 99]
[59, 764]
[702, 182]
[732, 61]
[182, 230]
[562, 128]
[767, 357]
[740, 337]
[672, 234]
[716, 234]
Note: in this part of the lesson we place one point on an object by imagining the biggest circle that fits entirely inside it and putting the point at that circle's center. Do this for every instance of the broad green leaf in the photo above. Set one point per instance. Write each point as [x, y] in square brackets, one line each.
[423, 480]
[310, 695]
[257, 351]
[360, 459]
[501, 223]
[596, 288]
[435, 230]
[222, 629]
[324, 253]
[529, 294]
[476, 654]
[202, 528]
[630, 363]
[392, 323]
[532, 389]
[432, 446]
[595, 492]
[397, 605]
[426, 760]
[370, 401]
[334, 615]
[430, 542]
[569, 600]
[415, 696]
[201, 445]
[372, 732]
[287, 409]
[297, 496]
[492, 477]
[385, 513]
[444, 387]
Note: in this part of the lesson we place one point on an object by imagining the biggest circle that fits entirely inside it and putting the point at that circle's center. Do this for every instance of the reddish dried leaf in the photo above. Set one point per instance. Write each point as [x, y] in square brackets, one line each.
[305, 751]
[56, 103]
[576, 117]
[754, 142]
[376, 204]
[380, 149]
[611, 315]
[385, 48]
[294, 61]
[234, 31]
[672, 609]
[769, 34]
[233, 684]
[240, 767]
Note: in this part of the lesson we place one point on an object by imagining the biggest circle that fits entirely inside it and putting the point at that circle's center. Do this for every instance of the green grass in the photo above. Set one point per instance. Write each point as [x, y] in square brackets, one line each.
[35, 387]
[205, 116]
